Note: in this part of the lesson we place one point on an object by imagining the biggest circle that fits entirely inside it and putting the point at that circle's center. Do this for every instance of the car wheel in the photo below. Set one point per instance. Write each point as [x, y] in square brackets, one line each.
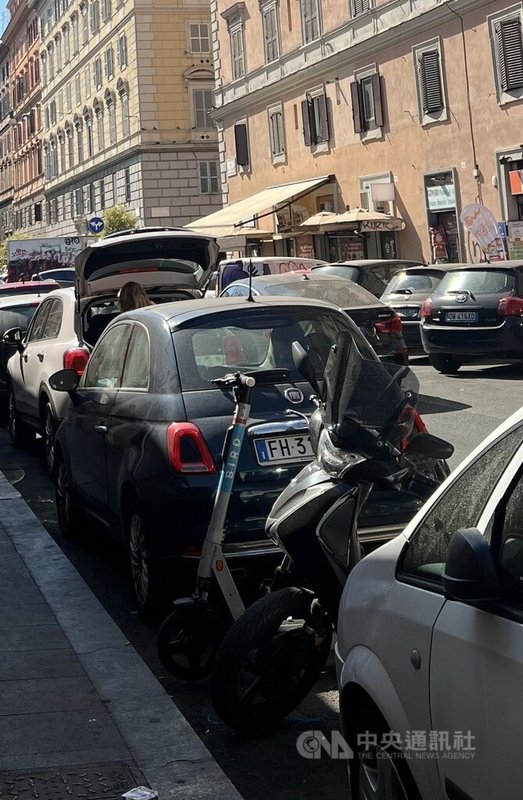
[145, 571]
[71, 519]
[49, 431]
[444, 363]
[19, 433]
[379, 769]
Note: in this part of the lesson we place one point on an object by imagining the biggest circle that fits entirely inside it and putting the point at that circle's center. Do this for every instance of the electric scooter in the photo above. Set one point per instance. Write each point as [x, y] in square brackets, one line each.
[189, 637]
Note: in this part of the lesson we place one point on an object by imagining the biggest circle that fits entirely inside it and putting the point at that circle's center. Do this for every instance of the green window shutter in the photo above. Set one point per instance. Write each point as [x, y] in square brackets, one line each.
[510, 54]
[430, 82]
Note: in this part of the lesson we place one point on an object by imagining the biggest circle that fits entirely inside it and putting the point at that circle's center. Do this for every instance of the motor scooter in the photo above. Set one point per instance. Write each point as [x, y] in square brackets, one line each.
[363, 435]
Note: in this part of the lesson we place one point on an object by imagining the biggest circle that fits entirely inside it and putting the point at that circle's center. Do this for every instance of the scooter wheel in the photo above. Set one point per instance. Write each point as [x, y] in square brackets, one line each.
[269, 660]
[188, 640]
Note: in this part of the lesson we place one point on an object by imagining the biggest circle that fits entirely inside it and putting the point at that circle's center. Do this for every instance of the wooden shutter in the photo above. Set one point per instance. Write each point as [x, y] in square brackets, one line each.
[430, 82]
[356, 107]
[510, 54]
[242, 146]
[323, 117]
[307, 134]
[359, 6]
[378, 103]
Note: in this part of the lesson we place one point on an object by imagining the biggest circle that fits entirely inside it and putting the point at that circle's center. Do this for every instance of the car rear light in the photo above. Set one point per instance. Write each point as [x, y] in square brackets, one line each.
[426, 308]
[76, 359]
[187, 449]
[390, 326]
[510, 307]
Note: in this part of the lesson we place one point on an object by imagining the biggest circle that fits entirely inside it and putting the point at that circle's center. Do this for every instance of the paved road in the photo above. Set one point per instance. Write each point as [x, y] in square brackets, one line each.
[462, 409]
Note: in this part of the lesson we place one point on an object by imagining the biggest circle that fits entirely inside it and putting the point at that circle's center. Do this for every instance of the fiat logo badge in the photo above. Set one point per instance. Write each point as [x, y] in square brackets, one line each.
[461, 298]
[294, 395]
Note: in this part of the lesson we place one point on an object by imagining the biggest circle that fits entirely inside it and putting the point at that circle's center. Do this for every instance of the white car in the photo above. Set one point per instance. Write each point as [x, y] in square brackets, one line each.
[429, 654]
[170, 265]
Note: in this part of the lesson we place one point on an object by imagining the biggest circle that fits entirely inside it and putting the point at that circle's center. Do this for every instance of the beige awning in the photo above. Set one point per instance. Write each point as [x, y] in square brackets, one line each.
[222, 231]
[361, 217]
[245, 210]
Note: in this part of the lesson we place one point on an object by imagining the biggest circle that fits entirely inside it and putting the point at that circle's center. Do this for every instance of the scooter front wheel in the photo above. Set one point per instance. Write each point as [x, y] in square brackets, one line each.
[188, 640]
[270, 659]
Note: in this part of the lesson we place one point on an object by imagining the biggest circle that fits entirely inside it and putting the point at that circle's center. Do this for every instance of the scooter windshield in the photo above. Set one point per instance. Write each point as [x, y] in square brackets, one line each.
[363, 397]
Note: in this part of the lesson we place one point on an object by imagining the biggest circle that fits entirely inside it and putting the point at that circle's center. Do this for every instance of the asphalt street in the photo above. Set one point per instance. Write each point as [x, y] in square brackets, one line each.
[462, 409]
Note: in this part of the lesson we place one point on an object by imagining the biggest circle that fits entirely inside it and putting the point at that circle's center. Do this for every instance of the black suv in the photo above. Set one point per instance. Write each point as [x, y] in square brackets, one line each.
[474, 316]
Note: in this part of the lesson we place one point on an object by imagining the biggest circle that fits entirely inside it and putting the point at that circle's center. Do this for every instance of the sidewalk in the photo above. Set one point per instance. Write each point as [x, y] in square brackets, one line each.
[81, 715]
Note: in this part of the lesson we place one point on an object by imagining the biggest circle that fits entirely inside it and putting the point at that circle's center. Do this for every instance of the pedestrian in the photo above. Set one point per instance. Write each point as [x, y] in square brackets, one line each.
[131, 295]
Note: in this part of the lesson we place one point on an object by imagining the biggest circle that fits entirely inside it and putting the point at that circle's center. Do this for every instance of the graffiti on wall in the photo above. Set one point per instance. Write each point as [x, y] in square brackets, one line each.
[27, 257]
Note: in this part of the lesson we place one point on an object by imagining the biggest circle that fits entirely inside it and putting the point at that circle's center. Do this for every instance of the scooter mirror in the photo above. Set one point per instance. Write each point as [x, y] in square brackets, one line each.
[429, 445]
[304, 365]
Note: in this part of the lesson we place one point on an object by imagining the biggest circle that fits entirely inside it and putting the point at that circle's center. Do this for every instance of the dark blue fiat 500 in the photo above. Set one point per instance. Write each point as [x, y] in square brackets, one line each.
[141, 444]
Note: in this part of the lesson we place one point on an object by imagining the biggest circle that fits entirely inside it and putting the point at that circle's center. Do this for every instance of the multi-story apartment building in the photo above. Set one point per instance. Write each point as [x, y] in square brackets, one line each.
[409, 107]
[126, 102]
[21, 176]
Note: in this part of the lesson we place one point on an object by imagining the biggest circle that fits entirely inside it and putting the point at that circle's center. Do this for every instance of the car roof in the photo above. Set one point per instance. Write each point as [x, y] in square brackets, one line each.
[179, 312]
[490, 265]
[20, 300]
[27, 286]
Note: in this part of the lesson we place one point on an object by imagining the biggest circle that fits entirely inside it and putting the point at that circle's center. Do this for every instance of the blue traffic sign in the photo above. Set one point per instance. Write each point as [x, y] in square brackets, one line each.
[96, 224]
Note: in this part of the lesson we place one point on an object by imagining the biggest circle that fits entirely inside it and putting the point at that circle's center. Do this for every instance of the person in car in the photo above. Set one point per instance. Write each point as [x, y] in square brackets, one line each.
[131, 296]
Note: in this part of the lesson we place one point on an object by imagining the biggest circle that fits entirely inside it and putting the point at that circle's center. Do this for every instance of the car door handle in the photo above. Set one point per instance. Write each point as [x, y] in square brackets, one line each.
[101, 429]
[41, 356]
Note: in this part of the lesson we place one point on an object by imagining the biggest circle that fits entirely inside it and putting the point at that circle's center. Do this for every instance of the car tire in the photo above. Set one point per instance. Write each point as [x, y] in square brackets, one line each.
[71, 520]
[144, 563]
[379, 770]
[48, 427]
[444, 363]
[20, 434]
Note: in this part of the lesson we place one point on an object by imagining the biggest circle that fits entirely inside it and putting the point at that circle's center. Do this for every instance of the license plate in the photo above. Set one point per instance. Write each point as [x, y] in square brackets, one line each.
[408, 313]
[461, 316]
[283, 449]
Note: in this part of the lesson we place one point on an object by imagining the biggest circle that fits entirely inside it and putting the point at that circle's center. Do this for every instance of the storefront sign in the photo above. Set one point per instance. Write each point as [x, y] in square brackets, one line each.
[442, 197]
[382, 225]
[515, 240]
[305, 250]
[481, 224]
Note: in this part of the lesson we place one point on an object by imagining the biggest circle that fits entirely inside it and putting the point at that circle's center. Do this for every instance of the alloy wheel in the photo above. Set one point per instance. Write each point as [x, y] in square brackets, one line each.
[139, 556]
[379, 778]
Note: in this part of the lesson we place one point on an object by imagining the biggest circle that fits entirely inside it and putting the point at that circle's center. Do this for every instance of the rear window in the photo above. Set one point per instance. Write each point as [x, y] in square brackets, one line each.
[487, 281]
[225, 343]
[350, 273]
[412, 282]
[16, 317]
[344, 294]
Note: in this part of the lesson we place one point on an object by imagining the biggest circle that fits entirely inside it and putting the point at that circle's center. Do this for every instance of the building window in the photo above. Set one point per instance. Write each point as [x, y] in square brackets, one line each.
[50, 61]
[237, 51]
[70, 145]
[44, 69]
[61, 145]
[202, 106]
[315, 117]
[122, 51]
[123, 94]
[102, 194]
[87, 74]
[276, 134]
[89, 206]
[58, 51]
[111, 113]
[127, 185]
[209, 177]
[98, 73]
[106, 10]
[358, 7]
[78, 202]
[429, 79]
[507, 46]
[109, 62]
[271, 33]
[95, 16]
[67, 43]
[241, 141]
[88, 122]
[310, 20]
[79, 140]
[367, 110]
[199, 40]
[75, 34]
[78, 89]
[85, 24]
[68, 99]
[98, 112]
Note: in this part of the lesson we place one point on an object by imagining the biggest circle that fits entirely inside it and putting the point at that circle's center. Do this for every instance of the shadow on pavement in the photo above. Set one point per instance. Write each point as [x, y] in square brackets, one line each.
[499, 372]
[438, 405]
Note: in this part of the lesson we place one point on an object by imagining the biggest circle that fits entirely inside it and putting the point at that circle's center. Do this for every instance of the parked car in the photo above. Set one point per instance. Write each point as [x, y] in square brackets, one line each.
[170, 265]
[429, 652]
[64, 276]
[406, 292]
[233, 269]
[371, 273]
[15, 312]
[149, 425]
[379, 323]
[475, 316]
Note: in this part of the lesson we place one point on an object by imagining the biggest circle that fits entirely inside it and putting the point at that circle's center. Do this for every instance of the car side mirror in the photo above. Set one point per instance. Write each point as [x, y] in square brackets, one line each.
[14, 336]
[429, 445]
[65, 380]
[470, 573]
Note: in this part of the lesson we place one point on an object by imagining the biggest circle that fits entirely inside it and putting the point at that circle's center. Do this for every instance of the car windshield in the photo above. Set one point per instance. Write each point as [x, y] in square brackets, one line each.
[211, 347]
[16, 317]
[413, 282]
[344, 294]
[477, 281]
[350, 273]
